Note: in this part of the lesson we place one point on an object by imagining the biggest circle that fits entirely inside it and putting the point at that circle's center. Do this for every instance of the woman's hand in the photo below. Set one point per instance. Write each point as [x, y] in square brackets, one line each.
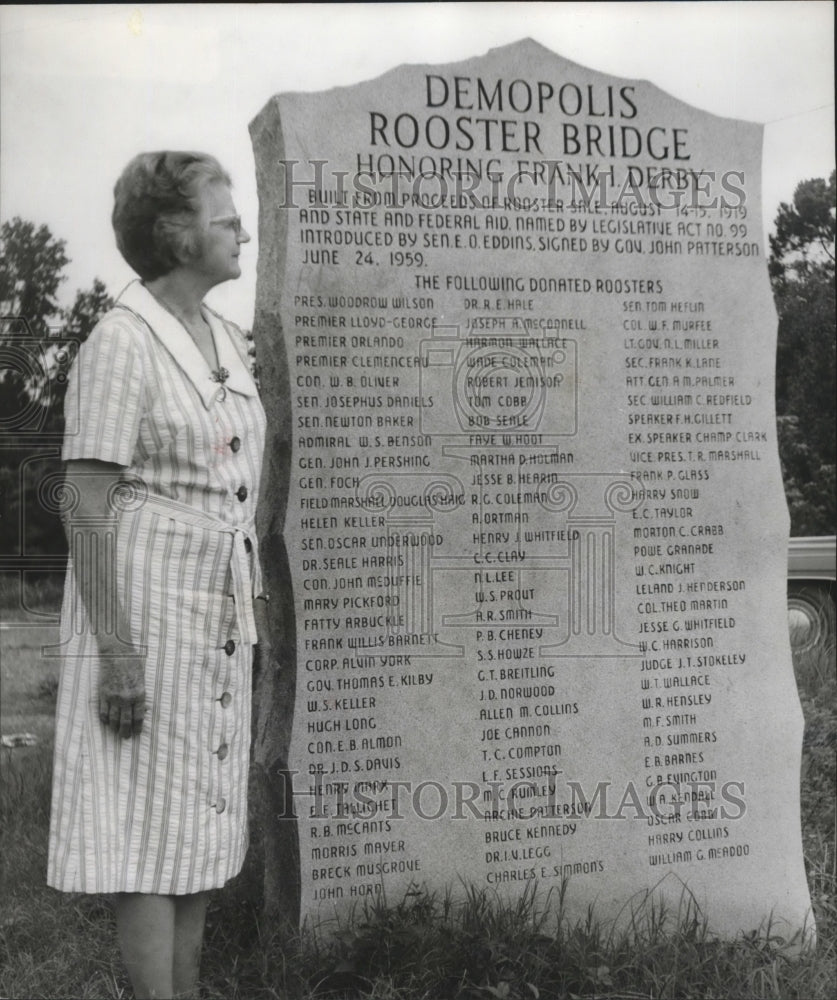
[122, 691]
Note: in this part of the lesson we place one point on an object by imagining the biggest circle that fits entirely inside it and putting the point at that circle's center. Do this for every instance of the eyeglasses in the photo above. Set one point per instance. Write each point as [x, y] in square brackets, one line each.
[230, 221]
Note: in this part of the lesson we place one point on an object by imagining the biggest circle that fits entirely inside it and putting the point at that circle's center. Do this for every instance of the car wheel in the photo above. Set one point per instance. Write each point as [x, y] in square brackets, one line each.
[811, 615]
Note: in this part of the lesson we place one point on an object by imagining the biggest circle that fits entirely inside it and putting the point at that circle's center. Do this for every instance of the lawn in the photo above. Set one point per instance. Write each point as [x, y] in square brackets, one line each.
[55, 945]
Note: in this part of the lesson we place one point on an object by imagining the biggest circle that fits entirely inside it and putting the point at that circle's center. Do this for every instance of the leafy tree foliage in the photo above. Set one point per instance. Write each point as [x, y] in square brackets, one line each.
[31, 266]
[802, 275]
[31, 262]
[38, 341]
[804, 230]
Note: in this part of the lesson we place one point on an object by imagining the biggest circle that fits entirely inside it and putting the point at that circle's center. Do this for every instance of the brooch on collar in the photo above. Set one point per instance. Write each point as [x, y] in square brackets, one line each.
[220, 375]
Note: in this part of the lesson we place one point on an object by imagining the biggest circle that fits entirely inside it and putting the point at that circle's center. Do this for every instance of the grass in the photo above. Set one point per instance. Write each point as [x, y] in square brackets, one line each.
[421, 947]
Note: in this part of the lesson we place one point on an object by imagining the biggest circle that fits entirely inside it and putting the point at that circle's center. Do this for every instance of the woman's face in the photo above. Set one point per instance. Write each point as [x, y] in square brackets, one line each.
[220, 235]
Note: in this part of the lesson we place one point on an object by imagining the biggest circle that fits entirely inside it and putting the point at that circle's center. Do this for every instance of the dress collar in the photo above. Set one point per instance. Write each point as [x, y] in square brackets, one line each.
[173, 335]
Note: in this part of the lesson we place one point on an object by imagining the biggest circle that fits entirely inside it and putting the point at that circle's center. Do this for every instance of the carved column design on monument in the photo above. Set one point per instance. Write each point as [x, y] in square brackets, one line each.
[58, 496]
[591, 503]
[411, 531]
[456, 362]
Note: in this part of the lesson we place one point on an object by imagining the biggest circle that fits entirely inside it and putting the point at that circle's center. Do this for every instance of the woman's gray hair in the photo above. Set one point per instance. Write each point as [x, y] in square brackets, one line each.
[155, 205]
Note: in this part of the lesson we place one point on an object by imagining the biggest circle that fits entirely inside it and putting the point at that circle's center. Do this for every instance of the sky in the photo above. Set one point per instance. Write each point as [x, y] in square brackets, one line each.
[83, 87]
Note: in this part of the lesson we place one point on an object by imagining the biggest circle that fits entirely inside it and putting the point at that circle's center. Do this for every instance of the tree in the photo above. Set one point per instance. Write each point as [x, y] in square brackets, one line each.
[802, 275]
[31, 265]
[38, 340]
[804, 230]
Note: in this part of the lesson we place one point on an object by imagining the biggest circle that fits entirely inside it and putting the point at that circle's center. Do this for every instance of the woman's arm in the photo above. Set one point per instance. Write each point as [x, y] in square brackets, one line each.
[91, 531]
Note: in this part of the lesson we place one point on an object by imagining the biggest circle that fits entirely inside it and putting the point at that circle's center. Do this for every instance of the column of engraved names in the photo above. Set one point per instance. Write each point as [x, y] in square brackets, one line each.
[519, 708]
[348, 412]
[676, 378]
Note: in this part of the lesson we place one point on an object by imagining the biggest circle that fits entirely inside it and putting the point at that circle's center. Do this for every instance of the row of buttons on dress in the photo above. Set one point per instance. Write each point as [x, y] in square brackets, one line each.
[222, 753]
[241, 492]
[223, 750]
[229, 646]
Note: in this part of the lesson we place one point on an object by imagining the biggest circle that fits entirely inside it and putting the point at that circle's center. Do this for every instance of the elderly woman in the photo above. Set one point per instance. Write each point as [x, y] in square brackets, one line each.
[149, 795]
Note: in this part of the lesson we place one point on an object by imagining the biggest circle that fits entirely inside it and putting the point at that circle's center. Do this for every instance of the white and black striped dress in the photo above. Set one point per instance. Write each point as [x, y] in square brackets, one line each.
[166, 811]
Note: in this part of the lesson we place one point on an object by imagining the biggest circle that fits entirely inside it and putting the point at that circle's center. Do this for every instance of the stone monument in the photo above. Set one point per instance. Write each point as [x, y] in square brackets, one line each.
[517, 344]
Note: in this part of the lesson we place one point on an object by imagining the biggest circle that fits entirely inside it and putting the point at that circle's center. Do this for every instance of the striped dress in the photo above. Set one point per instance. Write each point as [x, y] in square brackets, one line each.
[166, 811]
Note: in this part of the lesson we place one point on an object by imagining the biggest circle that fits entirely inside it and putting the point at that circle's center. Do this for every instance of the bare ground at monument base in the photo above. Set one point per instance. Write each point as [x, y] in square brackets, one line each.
[423, 946]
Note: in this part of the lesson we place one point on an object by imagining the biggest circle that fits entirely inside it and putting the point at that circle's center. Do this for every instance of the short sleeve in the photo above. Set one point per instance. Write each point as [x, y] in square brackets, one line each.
[105, 392]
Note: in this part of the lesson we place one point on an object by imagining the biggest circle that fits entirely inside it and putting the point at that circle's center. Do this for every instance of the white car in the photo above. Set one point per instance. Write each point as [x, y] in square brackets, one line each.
[811, 590]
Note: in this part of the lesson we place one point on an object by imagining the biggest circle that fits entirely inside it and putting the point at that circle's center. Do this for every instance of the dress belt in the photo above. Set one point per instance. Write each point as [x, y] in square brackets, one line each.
[246, 577]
